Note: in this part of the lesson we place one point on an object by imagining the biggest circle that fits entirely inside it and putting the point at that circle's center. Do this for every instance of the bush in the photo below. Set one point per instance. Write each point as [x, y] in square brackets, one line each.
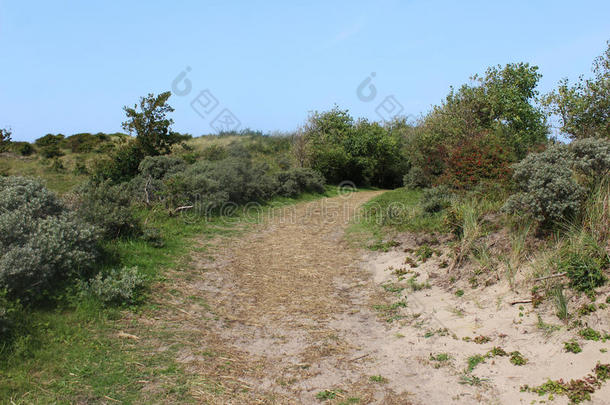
[107, 207]
[416, 178]
[51, 151]
[85, 142]
[49, 140]
[547, 188]
[119, 286]
[22, 148]
[293, 182]
[214, 152]
[157, 167]
[122, 166]
[584, 262]
[592, 157]
[436, 199]
[42, 244]
[474, 160]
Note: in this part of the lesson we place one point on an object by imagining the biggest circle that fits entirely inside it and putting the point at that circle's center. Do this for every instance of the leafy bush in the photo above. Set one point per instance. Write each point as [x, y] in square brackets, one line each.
[584, 262]
[5, 139]
[293, 182]
[592, 157]
[436, 199]
[118, 286]
[479, 159]
[24, 148]
[51, 151]
[41, 243]
[214, 152]
[122, 166]
[416, 178]
[157, 167]
[547, 188]
[107, 207]
[85, 142]
[49, 140]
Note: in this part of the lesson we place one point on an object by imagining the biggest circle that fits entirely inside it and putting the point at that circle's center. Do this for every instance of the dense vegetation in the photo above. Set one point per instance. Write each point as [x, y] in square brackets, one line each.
[480, 161]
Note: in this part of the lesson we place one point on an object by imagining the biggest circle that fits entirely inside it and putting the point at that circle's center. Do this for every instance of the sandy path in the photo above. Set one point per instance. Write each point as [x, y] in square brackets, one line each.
[286, 311]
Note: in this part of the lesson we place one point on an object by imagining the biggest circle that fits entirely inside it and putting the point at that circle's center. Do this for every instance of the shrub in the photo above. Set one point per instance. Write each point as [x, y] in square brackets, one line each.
[42, 244]
[157, 167]
[25, 149]
[49, 140]
[5, 139]
[483, 158]
[436, 199]
[85, 142]
[584, 262]
[547, 189]
[118, 286]
[214, 152]
[416, 178]
[293, 182]
[51, 151]
[107, 207]
[592, 157]
[122, 166]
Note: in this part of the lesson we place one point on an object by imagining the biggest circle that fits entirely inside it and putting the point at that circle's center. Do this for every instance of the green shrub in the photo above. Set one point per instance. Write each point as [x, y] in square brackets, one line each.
[107, 207]
[42, 244]
[49, 140]
[592, 157]
[416, 178]
[436, 199]
[214, 152]
[293, 182]
[118, 286]
[51, 151]
[547, 189]
[85, 142]
[122, 166]
[584, 264]
[23, 148]
[157, 167]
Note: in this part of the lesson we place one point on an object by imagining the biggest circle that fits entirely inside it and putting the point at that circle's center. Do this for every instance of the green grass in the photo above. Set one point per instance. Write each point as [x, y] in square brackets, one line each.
[394, 211]
[70, 353]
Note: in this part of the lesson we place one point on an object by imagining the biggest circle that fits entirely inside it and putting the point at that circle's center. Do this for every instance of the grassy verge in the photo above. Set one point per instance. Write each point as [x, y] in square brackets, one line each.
[71, 353]
[394, 211]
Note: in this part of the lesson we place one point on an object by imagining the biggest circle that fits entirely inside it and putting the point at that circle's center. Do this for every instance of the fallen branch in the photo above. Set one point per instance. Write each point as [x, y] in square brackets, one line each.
[551, 276]
[177, 210]
[525, 301]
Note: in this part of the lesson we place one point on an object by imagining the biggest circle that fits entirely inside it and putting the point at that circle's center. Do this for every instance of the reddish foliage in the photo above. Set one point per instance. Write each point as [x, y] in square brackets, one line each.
[478, 159]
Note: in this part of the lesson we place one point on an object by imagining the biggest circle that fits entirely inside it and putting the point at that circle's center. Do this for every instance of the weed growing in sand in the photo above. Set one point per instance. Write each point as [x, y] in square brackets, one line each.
[459, 293]
[561, 304]
[517, 359]
[572, 347]
[482, 339]
[423, 253]
[383, 246]
[496, 351]
[351, 400]
[592, 334]
[416, 286]
[577, 391]
[440, 359]
[547, 328]
[378, 379]
[326, 395]
[587, 309]
[471, 380]
[474, 361]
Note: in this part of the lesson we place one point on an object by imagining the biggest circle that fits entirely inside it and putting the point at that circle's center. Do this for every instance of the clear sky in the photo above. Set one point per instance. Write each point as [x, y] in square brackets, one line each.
[70, 66]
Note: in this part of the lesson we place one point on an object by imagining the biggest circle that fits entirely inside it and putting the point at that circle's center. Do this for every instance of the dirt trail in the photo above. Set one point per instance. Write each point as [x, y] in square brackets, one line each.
[285, 312]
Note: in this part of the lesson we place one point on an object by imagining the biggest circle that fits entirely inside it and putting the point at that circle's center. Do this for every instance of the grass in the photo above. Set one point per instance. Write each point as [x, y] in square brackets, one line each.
[71, 353]
[378, 379]
[393, 211]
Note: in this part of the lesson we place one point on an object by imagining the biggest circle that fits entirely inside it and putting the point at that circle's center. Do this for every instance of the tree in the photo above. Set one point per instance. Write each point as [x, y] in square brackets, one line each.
[5, 139]
[584, 108]
[149, 122]
[503, 101]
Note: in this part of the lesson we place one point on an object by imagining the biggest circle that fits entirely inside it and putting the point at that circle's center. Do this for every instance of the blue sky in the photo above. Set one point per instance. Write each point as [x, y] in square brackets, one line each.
[70, 66]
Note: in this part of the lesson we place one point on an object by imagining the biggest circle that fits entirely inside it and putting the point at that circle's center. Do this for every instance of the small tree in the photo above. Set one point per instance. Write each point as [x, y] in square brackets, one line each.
[149, 121]
[584, 108]
[5, 139]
